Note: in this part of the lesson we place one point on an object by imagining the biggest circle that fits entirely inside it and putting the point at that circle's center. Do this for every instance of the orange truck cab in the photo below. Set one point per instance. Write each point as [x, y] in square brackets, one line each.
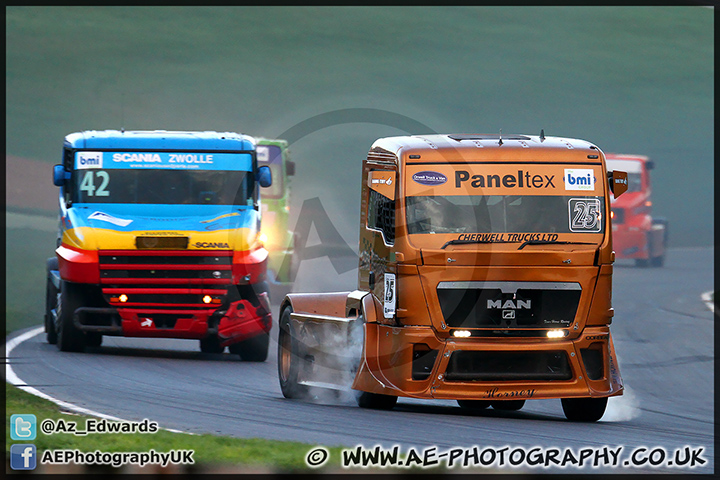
[484, 277]
[637, 235]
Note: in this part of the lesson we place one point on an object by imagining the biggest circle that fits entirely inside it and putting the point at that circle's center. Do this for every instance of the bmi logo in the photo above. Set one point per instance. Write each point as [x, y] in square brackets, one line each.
[89, 160]
[579, 179]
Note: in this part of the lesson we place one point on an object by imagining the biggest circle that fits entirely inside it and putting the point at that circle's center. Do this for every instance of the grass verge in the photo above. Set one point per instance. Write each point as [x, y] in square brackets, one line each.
[211, 453]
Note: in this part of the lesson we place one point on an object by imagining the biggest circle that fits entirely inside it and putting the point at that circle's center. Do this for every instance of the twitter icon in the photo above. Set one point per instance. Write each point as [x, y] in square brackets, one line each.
[23, 427]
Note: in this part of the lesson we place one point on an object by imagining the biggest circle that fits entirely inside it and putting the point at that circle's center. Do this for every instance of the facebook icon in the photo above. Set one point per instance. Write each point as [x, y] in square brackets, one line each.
[23, 457]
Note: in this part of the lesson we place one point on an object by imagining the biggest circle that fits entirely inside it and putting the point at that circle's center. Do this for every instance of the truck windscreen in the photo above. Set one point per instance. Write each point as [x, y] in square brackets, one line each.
[162, 186]
[504, 214]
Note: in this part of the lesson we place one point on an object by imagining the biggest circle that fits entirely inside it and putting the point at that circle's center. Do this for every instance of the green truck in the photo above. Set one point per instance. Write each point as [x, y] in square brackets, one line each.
[276, 234]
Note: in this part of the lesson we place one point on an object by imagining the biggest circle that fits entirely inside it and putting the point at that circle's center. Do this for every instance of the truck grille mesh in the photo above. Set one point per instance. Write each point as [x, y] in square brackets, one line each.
[168, 278]
[469, 365]
[512, 306]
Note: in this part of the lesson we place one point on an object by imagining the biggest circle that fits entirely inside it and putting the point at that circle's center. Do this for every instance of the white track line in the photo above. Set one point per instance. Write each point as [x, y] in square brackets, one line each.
[13, 379]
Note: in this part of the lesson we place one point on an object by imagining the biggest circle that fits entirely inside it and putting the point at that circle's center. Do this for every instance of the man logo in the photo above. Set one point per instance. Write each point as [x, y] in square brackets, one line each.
[509, 304]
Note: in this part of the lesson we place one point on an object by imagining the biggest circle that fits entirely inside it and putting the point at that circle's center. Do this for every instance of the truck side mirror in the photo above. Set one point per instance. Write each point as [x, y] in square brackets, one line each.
[60, 175]
[289, 168]
[618, 182]
[264, 176]
[649, 164]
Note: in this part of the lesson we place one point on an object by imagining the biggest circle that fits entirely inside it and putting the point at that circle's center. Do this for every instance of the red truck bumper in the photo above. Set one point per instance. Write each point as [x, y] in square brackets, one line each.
[241, 321]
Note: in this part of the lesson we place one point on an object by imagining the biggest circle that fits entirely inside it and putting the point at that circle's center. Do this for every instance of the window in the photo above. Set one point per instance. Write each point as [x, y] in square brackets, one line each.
[381, 215]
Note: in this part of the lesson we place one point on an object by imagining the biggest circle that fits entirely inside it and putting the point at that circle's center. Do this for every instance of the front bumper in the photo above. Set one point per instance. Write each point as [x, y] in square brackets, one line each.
[400, 371]
[241, 321]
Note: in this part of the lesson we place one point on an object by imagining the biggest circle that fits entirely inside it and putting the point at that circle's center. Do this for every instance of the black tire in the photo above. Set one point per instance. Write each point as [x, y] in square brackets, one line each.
[51, 301]
[584, 409]
[376, 401]
[474, 404]
[508, 405]
[657, 262]
[642, 262]
[211, 344]
[69, 338]
[253, 349]
[290, 359]
[93, 339]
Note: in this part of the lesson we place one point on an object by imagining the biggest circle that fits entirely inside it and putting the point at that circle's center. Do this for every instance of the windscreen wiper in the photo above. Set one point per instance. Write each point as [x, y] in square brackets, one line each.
[550, 242]
[462, 242]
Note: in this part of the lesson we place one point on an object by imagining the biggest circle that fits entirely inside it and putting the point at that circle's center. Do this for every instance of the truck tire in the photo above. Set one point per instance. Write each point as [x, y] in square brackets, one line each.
[253, 349]
[93, 339]
[508, 405]
[474, 404]
[584, 409]
[211, 344]
[659, 261]
[51, 301]
[289, 359]
[69, 338]
[376, 401]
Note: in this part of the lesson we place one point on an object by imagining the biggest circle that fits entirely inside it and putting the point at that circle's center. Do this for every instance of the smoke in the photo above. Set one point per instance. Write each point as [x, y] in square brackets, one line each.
[336, 359]
[623, 408]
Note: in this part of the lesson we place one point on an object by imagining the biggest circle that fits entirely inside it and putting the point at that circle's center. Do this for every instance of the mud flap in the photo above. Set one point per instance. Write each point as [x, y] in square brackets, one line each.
[616, 383]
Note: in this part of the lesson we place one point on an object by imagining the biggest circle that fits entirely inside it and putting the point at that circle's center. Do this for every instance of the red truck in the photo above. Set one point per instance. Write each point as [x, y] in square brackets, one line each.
[636, 233]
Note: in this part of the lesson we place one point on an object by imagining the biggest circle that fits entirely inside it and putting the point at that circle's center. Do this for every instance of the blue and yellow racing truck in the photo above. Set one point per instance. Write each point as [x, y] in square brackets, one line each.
[159, 237]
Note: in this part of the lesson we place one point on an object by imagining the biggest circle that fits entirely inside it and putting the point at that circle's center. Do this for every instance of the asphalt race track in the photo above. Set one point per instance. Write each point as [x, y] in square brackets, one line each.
[663, 335]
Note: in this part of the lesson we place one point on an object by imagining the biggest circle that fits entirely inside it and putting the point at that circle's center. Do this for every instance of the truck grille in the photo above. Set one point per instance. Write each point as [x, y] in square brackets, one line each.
[165, 278]
[469, 365]
[508, 305]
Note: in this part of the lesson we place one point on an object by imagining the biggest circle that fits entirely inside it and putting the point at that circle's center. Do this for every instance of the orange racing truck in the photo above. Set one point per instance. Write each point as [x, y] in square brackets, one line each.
[485, 276]
[159, 237]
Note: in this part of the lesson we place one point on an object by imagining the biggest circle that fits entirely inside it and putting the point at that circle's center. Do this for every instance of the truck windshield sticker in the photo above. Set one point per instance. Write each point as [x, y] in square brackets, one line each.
[109, 218]
[163, 160]
[502, 179]
[154, 186]
[491, 215]
[584, 215]
[579, 179]
[383, 182]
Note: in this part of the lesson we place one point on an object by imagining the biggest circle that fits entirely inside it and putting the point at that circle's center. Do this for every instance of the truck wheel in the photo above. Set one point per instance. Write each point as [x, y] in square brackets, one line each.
[253, 349]
[584, 409]
[51, 301]
[659, 261]
[93, 339]
[211, 344]
[376, 401]
[642, 262]
[69, 338]
[474, 404]
[508, 405]
[289, 359]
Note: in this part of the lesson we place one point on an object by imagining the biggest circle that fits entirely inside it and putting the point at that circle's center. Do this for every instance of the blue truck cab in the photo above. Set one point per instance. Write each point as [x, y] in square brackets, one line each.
[159, 237]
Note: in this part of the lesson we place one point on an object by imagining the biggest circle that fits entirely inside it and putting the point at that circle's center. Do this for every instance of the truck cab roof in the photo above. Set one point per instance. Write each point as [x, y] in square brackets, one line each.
[495, 147]
[159, 140]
